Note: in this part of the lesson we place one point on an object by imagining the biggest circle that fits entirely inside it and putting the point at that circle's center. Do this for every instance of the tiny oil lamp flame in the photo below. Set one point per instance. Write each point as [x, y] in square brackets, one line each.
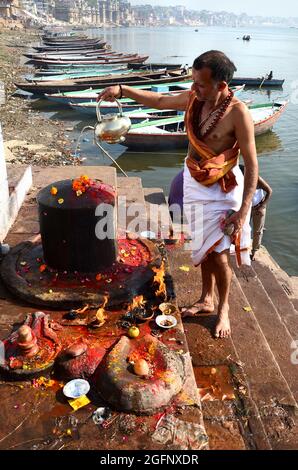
[159, 279]
[82, 310]
[137, 302]
[100, 314]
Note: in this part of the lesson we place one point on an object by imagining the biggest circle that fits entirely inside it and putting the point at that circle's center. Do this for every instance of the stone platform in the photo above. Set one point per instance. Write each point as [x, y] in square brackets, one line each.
[42, 418]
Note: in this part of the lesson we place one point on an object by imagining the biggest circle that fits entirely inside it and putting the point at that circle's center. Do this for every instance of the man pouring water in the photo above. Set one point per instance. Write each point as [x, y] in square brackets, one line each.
[219, 127]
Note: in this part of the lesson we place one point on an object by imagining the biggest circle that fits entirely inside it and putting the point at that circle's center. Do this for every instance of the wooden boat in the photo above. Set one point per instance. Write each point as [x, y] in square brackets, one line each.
[150, 114]
[62, 54]
[97, 45]
[90, 95]
[89, 107]
[170, 133]
[69, 41]
[69, 56]
[141, 78]
[128, 105]
[256, 82]
[77, 75]
[101, 56]
[123, 60]
[154, 66]
[77, 69]
[161, 134]
[94, 56]
[64, 37]
[265, 115]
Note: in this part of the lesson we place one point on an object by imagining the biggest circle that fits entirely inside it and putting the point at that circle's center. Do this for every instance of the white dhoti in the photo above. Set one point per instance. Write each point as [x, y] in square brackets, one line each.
[209, 206]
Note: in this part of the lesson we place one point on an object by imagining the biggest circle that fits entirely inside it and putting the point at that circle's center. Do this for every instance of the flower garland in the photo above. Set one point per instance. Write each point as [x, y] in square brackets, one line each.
[82, 184]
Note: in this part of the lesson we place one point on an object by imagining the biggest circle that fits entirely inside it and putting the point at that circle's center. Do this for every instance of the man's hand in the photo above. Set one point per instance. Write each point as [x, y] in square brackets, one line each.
[237, 219]
[109, 93]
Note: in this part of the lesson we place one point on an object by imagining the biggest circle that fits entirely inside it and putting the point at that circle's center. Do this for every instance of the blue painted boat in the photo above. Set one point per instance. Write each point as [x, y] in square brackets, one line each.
[256, 82]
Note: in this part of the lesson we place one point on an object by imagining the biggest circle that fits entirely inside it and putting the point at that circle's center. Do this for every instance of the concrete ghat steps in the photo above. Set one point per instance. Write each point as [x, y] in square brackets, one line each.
[155, 201]
[131, 193]
[271, 376]
[268, 391]
[14, 176]
[240, 416]
[276, 317]
[261, 367]
[288, 283]
[281, 295]
[19, 182]
[269, 401]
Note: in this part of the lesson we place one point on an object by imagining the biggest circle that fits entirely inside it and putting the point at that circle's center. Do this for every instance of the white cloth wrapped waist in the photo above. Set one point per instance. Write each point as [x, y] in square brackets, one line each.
[210, 205]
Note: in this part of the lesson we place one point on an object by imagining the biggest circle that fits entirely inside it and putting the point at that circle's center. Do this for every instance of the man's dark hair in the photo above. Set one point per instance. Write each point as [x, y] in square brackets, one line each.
[222, 68]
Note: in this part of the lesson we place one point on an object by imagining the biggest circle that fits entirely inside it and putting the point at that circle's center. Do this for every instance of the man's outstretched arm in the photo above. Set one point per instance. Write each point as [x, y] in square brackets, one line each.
[150, 99]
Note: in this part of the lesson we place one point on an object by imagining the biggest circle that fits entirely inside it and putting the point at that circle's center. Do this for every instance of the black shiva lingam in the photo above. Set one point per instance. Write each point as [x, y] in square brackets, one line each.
[73, 265]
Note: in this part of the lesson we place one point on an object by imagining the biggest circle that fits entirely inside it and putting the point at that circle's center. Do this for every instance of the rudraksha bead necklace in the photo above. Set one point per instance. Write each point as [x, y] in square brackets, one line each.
[220, 111]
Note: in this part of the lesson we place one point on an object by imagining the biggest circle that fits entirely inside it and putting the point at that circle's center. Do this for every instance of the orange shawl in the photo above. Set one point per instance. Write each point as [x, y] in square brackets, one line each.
[212, 168]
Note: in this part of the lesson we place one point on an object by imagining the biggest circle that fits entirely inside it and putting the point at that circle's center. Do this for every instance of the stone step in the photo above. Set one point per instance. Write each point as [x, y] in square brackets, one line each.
[295, 304]
[131, 188]
[257, 336]
[288, 283]
[157, 201]
[158, 212]
[240, 417]
[280, 295]
[19, 183]
[268, 402]
[274, 331]
[14, 176]
[131, 193]
[247, 326]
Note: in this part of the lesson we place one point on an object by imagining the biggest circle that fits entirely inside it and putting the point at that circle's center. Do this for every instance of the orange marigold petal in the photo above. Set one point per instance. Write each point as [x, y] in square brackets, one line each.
[54, 190]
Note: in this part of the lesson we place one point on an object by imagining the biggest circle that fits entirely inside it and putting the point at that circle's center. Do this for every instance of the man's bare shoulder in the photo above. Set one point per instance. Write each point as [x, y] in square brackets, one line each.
[238, 107]
[240, 112]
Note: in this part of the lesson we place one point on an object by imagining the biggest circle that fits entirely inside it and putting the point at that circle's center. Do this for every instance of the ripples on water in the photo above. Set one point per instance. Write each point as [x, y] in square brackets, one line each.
[270, 49]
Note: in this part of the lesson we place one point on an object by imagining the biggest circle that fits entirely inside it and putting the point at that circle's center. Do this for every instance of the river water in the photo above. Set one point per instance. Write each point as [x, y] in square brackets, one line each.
[269, 49]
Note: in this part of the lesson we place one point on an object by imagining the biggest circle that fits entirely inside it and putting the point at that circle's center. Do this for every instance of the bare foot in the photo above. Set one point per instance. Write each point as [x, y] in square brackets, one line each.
[201, 306]
[223, 328]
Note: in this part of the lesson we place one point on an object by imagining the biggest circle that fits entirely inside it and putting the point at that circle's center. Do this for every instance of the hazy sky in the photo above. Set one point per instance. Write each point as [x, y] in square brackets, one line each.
[283, 8]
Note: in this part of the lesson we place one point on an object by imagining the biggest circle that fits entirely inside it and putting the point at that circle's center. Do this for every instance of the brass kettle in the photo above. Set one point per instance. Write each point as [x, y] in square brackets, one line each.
[111, 128]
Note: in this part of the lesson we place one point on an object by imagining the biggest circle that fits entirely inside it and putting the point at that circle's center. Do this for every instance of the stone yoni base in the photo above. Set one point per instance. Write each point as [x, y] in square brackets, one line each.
[126, 391]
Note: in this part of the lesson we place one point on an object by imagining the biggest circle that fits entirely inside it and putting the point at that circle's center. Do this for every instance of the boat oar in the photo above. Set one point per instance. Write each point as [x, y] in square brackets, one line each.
[264, 78]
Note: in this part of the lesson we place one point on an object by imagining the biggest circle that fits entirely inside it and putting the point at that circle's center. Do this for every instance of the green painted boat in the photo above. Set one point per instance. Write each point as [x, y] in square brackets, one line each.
[90, 95]
[77, 75]
[170, 133]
